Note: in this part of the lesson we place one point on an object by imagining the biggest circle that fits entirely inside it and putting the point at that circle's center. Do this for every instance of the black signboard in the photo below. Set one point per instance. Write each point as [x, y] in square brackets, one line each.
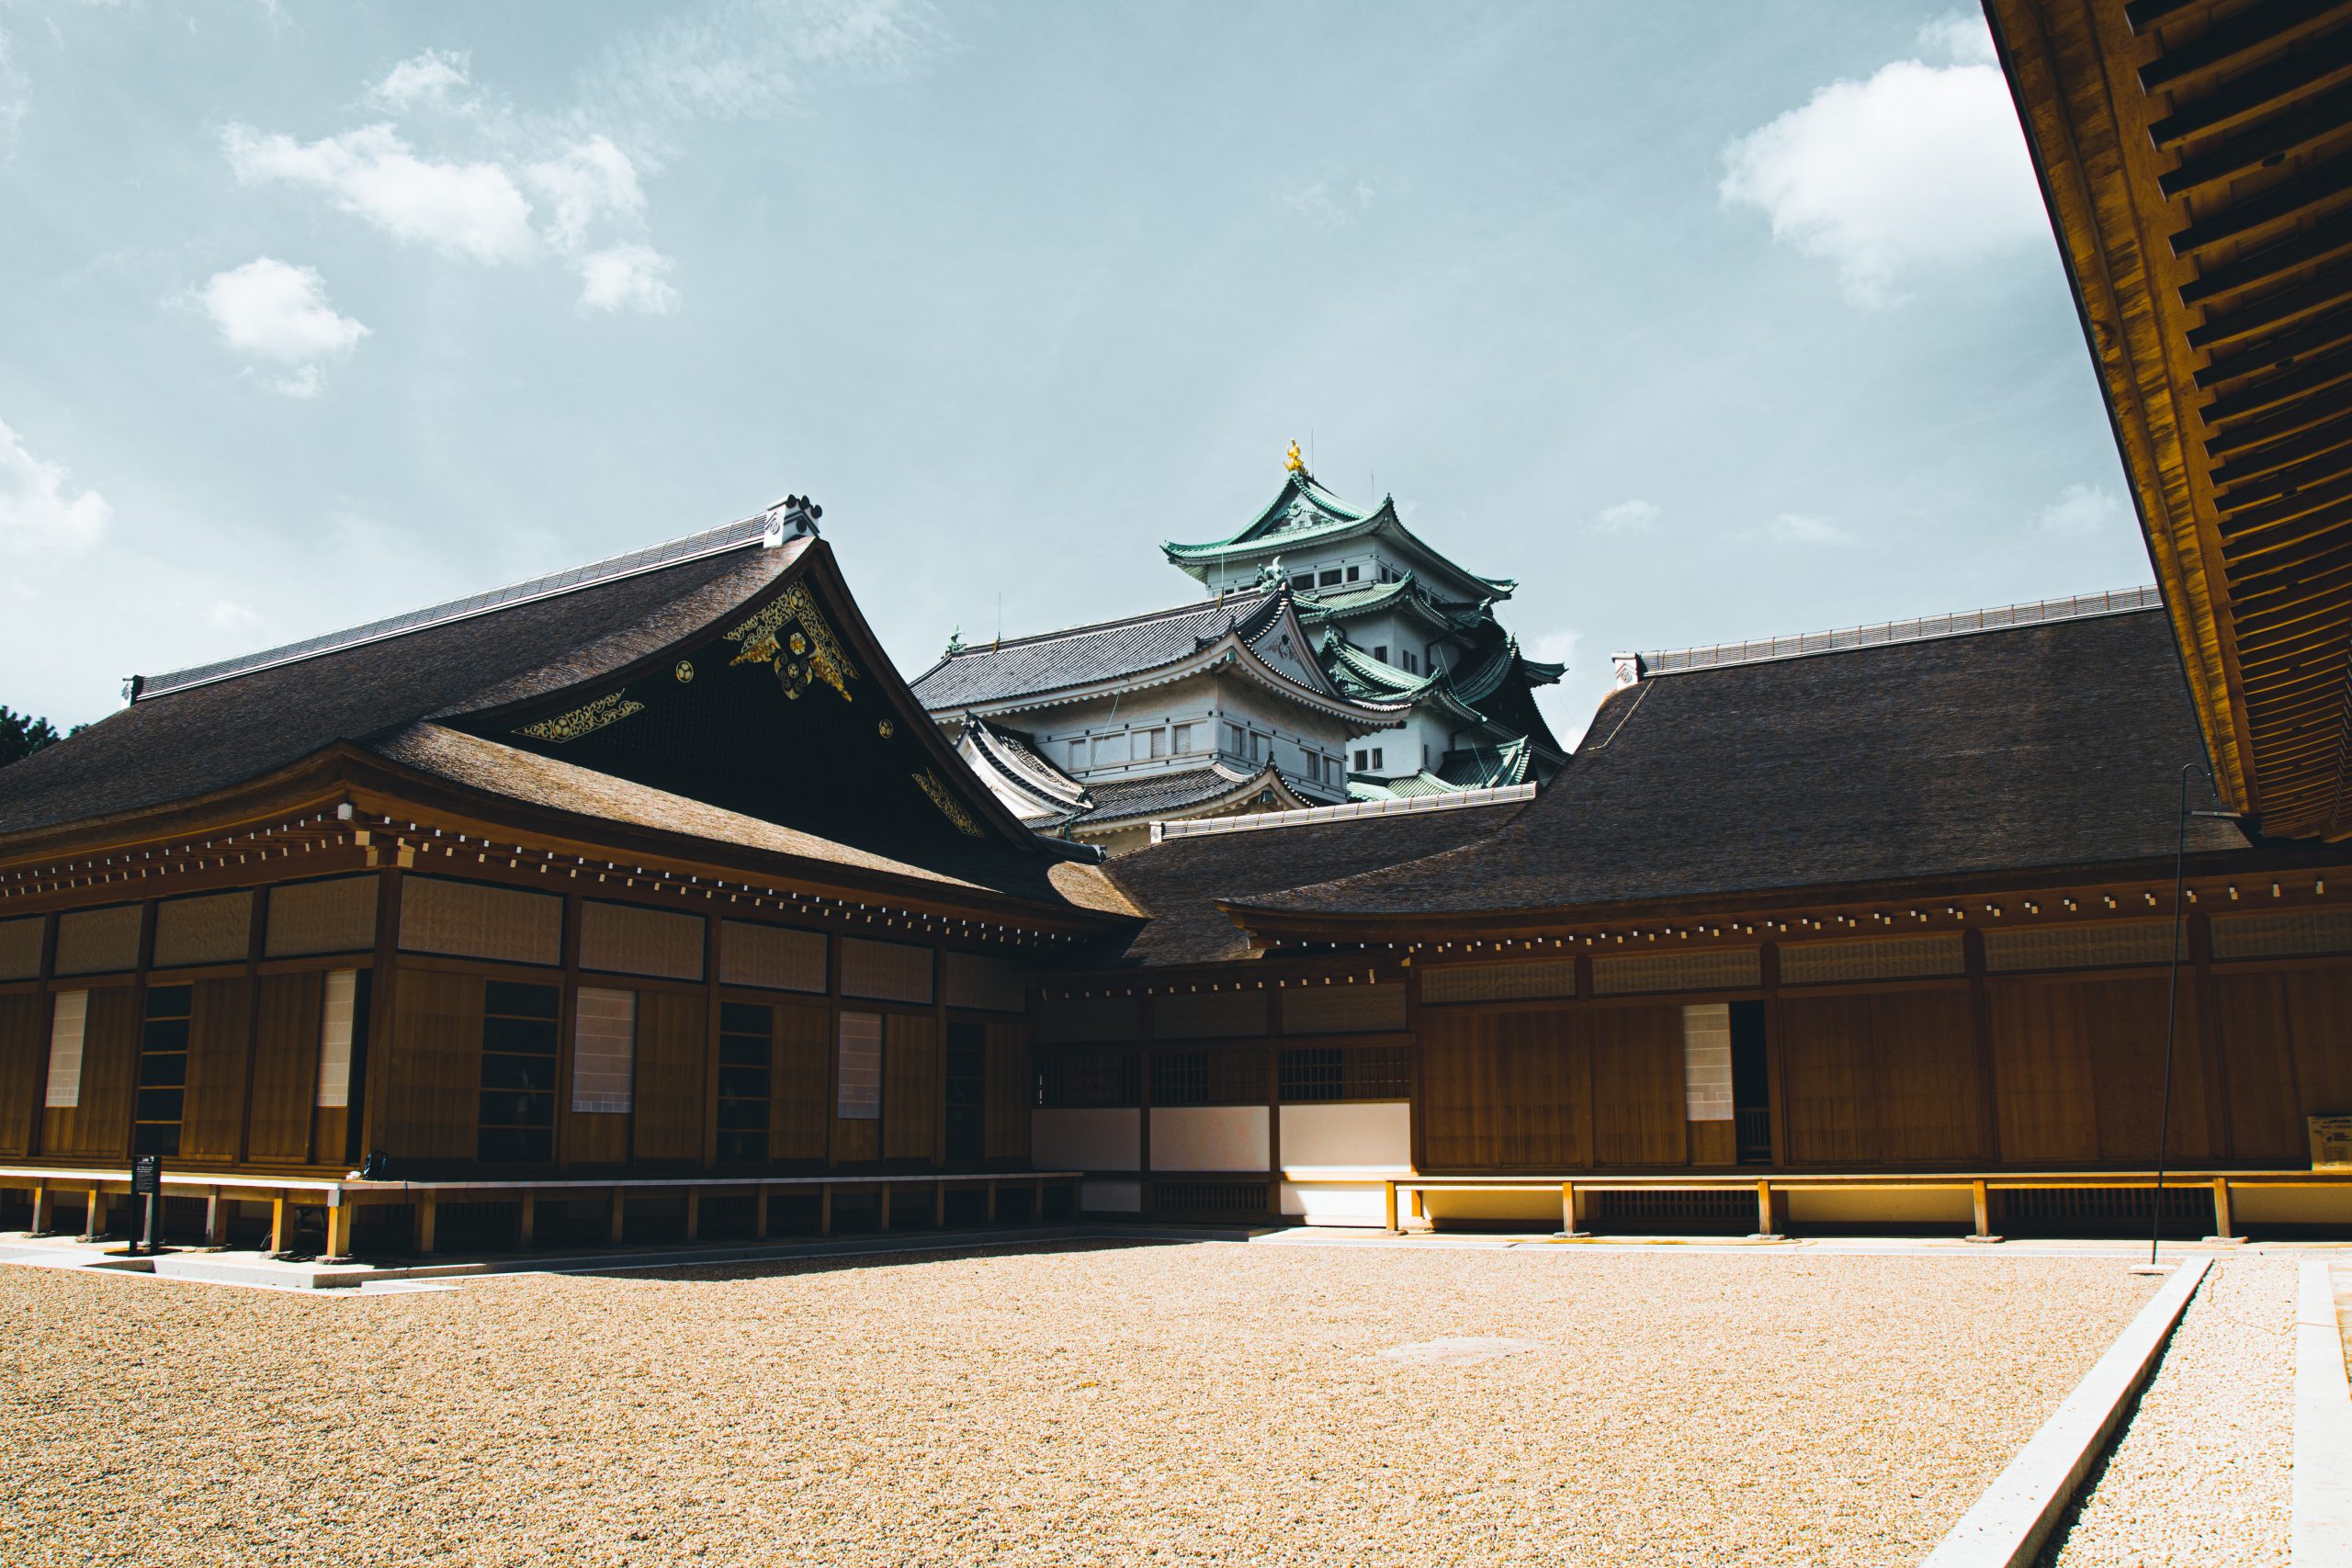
[147, 1202]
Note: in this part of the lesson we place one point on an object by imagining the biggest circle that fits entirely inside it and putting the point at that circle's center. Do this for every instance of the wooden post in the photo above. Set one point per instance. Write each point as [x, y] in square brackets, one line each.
[216, 1220]
[618, 1227]
[1389, 1205]
[1038, 1199]
[1982, 1197]
[281, 1223]
[94, 1218]
[527, 1220]
[1769, 1207]
[2223, 1228]
[760, 1212]
[825, 1208]
[991, 1205]
[428, 1219]
[41, 1207]
[693, 1213]
[882, 1202]
[939, 1204]
[339, 1217]
[1572, 1207]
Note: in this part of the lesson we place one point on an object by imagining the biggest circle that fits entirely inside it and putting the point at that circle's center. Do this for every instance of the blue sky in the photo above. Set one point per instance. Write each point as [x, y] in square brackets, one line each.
[1702, 320]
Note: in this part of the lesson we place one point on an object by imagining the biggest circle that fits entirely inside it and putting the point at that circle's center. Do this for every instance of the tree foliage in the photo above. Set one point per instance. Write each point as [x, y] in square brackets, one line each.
[22, 735]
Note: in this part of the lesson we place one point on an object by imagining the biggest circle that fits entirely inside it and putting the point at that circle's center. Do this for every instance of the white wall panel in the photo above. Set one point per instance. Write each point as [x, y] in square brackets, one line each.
[1209, 1137]
[1355, 1203]
[1086, 1140]
[1376, 1134]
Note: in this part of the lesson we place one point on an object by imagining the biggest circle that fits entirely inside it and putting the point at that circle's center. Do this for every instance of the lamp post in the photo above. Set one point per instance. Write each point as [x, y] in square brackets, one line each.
[2172, 999]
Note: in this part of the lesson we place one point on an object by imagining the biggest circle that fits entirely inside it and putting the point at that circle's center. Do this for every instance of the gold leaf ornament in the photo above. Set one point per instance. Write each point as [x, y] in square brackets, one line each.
[949, 806]
[610, 709]
[817, 653]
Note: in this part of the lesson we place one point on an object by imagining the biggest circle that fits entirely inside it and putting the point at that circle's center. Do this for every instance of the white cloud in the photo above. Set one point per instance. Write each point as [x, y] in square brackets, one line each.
[1920, 165]
[745, 59]
[1555, 648]
[305, 382]
[591, 182]
[423, 79]
[228, 615]
[627, 277]
[1625, 517]
[2081, 510]
[1961, 36]
[273, 310]
[467, 209]
[1337, 206]
[1796, 528]
[39, 513]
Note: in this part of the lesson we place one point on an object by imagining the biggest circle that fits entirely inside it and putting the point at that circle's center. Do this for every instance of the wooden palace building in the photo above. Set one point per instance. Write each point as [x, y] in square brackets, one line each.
[648, 898]
[649, 870]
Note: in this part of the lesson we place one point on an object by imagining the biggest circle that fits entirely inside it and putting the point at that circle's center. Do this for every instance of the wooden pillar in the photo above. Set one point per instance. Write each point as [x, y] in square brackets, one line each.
[825, 1208]
[281, 1223]
[1037, 1200]
[760, 1212]
[1572, 1210]
[1389, 1205]
[526, 1219]
[339, 1218]
[617, 1229]
[93, 1220]
[939, 1204]
[427, 1210]
[1771, 1211]
[216, 1220]
[1980, 1025]
[882, 1202]
[693, 1213]
[41, 1207]
[2223, 1229]
[1983, 1198]
[991, 1202]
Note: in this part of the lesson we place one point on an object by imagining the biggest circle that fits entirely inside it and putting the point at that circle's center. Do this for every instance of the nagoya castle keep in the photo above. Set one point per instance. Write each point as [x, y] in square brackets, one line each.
[1336, 659]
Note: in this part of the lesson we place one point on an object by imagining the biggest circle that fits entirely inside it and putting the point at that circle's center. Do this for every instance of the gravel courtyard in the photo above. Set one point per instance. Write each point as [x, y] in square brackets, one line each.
[1081, 1405]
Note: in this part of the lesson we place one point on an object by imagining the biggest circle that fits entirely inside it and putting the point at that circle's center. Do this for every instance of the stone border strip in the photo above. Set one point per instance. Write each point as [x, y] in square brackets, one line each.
[2323, 1494]
[2010, 1523]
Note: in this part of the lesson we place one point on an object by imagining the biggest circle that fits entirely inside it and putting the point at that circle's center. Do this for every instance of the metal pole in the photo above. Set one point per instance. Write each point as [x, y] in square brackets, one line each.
[2172, 1012]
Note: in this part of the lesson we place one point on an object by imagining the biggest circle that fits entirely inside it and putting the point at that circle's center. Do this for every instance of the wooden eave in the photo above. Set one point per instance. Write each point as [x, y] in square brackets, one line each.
[377, 788]
[2196, 157]
[2130, 882]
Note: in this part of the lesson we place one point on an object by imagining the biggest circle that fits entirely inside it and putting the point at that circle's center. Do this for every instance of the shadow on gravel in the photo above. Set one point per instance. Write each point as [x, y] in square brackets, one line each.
[896, 1257]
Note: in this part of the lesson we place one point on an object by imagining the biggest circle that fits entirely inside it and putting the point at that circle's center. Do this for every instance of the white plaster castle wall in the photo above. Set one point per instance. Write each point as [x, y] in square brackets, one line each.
[1209, 1137]
[1359, 1203]
[1086, 1140]
[1379, 1133]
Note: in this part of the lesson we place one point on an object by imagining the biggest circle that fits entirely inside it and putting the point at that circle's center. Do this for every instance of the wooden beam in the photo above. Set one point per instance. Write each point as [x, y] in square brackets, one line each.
[42, 1209]
[339, 1217]
[693, 1213]
[281, 1224]
[427, 1221]
[619, 1226]
[2225, 1229]
[527, 1220]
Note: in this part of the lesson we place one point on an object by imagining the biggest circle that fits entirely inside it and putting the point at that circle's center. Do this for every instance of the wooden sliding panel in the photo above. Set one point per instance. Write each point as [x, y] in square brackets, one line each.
[213, 1111]
[1925, 1051]
[99, 1124]
[285, 1068]
[2257, 1047]
[672, 1044]
[24, 1053]
[2319, 1014]
[433, 1105]
[2126, 1022]
[1504, 1090]
[1011, 1090]
[1829, 1094]
[909, 1070]
[798, 1106]
[1638, 1102]
[2042, 1069]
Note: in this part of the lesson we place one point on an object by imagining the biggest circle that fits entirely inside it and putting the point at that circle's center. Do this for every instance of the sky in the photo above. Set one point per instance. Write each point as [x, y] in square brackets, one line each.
[1703, 322]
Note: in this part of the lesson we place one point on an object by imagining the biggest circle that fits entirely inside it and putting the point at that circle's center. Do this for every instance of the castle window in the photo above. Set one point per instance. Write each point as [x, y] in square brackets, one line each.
[1380, 651]
[1183, 740]
[1352, 573]
[1330, 577]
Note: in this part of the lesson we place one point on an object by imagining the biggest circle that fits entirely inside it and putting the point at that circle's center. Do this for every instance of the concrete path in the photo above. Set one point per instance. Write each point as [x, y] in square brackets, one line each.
[2323, 1527]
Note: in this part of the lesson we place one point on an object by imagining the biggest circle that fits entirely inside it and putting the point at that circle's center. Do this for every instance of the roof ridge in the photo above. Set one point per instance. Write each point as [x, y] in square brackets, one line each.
[764, 527]
[1880, 634]
[1454, 800]
[1034, 639]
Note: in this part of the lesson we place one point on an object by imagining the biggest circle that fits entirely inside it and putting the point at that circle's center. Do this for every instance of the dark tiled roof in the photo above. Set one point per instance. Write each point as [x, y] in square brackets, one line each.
[1160, 794]
[1179, 882]
[207, 737]
[2052, 745]
[506, 770]
[1083, 655]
